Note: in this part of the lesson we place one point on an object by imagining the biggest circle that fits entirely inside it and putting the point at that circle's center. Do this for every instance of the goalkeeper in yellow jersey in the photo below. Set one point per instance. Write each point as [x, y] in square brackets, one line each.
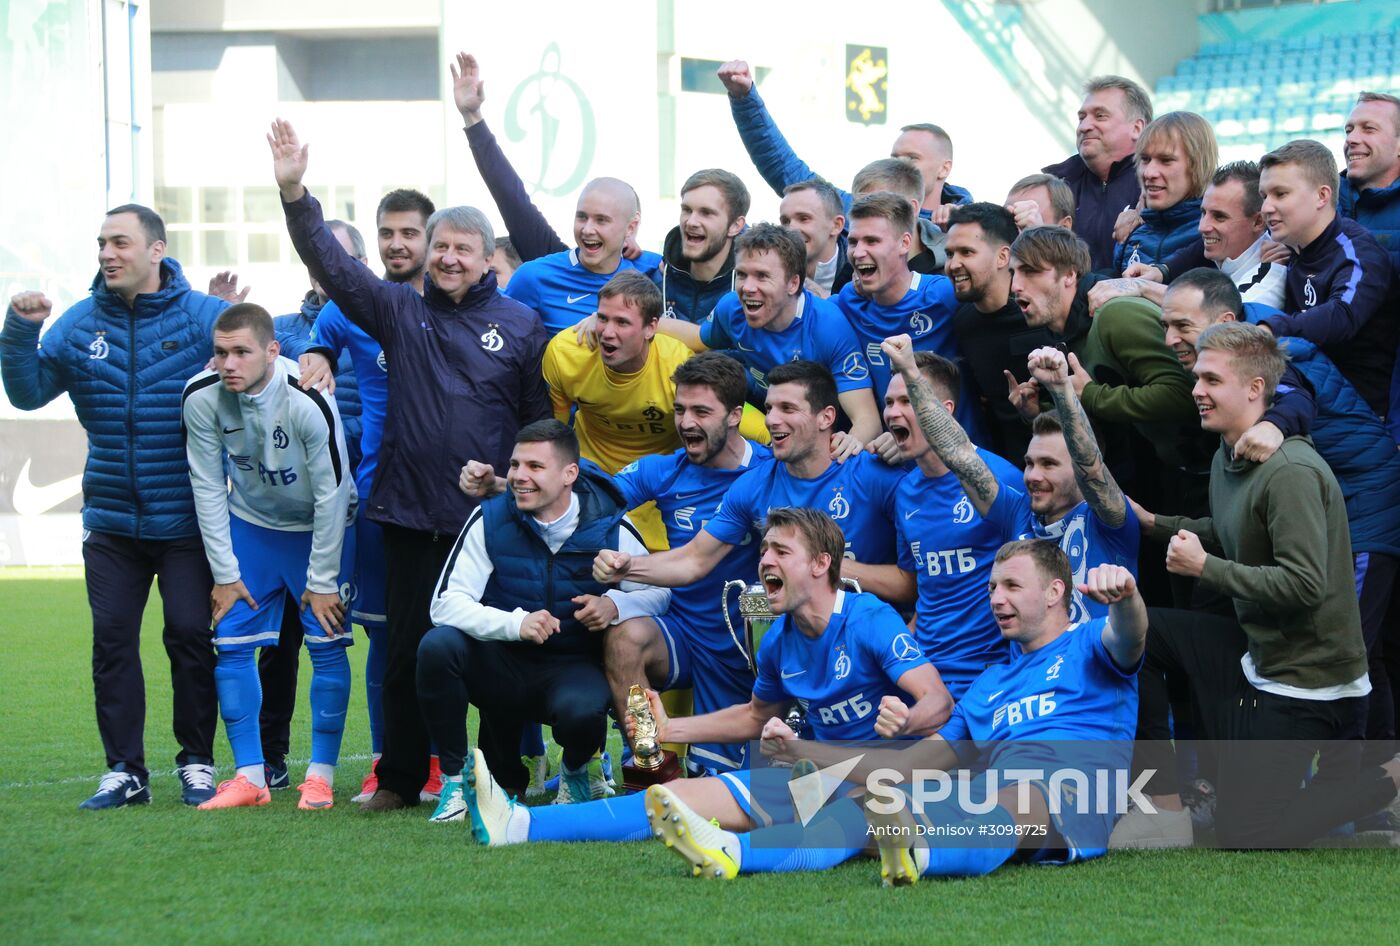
[621, 393]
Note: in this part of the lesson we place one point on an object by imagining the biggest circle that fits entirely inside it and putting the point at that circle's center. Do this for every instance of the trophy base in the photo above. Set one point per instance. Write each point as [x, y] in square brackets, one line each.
[637, 779]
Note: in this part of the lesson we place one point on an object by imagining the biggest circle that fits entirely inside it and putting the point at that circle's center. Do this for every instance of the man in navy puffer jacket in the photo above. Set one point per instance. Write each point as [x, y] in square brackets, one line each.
[123, 356]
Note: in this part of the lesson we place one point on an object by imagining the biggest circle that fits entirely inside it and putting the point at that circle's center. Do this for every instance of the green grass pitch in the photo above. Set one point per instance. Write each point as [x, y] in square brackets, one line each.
[169, 874]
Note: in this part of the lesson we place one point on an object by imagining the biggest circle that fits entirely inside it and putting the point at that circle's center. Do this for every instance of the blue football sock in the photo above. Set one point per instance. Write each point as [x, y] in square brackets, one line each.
[532, 739]
[833, 837]
[375, 662]
[973, 861]
[330, 698]
[610, 819]
[240, 701]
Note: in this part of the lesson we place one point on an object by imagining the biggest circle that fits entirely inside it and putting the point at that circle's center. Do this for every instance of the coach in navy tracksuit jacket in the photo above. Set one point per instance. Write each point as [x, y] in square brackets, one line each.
[464, 376]
[1339, 297]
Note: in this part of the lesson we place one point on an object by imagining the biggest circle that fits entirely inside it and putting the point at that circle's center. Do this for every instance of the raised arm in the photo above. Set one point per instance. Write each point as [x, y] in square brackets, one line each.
[943, 433]
[774, 158]
[31, 372]
[670, 569]
[1051, 371]
[360, 294]
[1125, 634]
[530, 233]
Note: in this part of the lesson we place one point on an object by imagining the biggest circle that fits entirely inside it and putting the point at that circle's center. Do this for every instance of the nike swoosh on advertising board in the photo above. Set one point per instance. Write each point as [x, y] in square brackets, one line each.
[30, 499]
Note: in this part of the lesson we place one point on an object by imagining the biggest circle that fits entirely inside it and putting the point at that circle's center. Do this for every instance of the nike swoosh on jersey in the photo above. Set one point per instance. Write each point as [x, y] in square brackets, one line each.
[32, 500]
[681, 497]
[232, 430]
[789, 676]
[995, 695]
[572, 299]
[909, 515]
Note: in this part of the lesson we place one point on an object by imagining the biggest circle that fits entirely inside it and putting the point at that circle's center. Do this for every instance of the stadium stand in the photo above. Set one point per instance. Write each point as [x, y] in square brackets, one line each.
[1260, 94]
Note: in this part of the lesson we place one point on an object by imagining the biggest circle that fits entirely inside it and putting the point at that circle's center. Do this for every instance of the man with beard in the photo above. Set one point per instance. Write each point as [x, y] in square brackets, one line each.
[697, 259]
[989, 325]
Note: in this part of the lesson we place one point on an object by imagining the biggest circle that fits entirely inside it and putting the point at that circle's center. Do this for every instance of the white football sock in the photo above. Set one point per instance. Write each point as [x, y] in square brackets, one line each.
[324, 770]
[254, 774]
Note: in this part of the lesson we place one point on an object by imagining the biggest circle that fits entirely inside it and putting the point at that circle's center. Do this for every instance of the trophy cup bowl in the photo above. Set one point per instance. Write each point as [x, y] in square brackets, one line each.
[755, 613]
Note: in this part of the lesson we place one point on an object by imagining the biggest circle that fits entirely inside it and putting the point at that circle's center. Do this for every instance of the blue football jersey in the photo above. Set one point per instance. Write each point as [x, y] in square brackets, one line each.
[950, 548]
[688, 495]
[840, 676]
[1083, 536]
[819, 333]
[1070, 690]
[562, 291]
[925, 313]
[859, 496]
[338, 333]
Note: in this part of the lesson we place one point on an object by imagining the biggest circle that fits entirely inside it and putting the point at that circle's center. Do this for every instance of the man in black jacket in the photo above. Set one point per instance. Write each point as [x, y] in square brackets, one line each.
[1103, 174]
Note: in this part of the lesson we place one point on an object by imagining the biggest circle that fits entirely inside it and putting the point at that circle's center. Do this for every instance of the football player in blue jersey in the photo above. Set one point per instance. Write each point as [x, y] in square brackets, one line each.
[886, 298]
[563, 287]
[847, 655]
[687, 647]
[1069, 495]
[945, 546]
[857, 494]
[771, 318]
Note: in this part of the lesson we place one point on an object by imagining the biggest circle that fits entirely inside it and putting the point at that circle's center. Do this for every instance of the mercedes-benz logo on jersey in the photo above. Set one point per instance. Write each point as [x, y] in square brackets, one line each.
[838, 507]
[1309, 293]
[279, 438]
[853, 368]
[652, 412]
[381, 362]
[843, 666]
[98, 347]
[905, 647]
[492, 340]
[962, 512]
[920, 324]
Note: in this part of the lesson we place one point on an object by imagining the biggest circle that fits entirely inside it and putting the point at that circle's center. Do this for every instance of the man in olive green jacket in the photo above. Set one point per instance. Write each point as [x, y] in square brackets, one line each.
[1288, 678]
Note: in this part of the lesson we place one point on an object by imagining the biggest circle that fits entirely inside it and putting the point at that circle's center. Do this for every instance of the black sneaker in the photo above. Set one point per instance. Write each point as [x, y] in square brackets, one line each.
[196, 781]
[118, 789]
[276, 775]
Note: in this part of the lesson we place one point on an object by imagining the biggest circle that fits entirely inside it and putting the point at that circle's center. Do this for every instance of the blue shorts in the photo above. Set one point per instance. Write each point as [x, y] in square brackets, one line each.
[718, 681]
[762, 793]
[367, 606]
[273, 565]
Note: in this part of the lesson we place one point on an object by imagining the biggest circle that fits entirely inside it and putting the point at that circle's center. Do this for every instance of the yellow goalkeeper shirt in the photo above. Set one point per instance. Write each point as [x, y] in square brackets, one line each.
[621, 417]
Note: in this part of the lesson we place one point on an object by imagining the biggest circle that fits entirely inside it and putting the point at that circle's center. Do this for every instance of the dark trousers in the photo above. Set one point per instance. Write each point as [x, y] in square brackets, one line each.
[413, 563]
[119, 571]
[1375, 582]
[1262, 801]
[277, 671]
[510, 686]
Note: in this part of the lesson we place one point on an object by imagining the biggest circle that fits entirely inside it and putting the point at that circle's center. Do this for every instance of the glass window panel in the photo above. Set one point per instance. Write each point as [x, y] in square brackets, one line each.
[217, 205]
[175, 204]
[261, 205]
[220, 247]
[264, 248]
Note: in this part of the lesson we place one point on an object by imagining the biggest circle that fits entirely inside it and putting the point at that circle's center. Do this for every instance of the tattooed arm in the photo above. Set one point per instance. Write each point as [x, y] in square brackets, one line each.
[943, 433]
[1048, 366]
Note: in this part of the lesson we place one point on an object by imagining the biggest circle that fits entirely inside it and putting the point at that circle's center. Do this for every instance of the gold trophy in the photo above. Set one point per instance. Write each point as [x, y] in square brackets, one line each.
[651, 764]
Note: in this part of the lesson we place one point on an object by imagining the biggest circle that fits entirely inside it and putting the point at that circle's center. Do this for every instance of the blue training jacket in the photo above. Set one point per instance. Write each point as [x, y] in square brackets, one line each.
[1161, 233]
[124, 369]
